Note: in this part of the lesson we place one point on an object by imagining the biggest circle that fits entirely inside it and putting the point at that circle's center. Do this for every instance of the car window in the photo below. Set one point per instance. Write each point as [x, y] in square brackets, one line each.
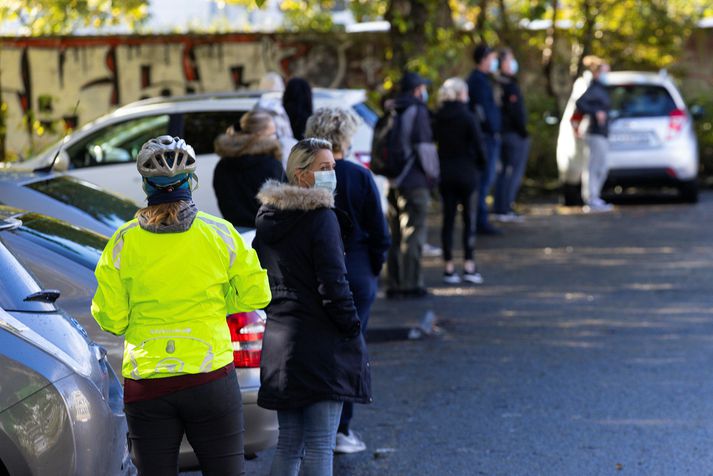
[117, 143]
[366, 113]
[201, 128]
[640, 100]
[17, 284]
[107, 208]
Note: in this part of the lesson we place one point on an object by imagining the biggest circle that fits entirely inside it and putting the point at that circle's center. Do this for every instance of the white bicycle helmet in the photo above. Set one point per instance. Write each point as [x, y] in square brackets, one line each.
[166, 156]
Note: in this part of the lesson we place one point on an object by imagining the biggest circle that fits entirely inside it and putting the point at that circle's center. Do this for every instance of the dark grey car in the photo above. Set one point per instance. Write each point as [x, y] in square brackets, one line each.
[61, 408]
[67, 198]
[64, 257]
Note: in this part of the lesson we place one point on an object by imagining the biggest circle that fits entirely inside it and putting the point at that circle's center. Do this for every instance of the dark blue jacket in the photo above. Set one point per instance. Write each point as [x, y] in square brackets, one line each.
[595, 99]
[312, 348]
[358, 196]
[482, 101]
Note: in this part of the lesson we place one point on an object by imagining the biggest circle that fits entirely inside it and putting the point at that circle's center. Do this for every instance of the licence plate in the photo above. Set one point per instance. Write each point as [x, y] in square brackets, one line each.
[631, 139]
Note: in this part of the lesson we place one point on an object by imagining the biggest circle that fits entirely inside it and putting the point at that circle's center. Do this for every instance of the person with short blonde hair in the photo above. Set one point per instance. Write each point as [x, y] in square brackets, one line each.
[313, 355]
[358, 198]
[453, 89]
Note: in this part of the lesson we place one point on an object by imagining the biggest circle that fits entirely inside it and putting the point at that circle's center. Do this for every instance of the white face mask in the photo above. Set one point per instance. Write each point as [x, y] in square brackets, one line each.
[326, 179]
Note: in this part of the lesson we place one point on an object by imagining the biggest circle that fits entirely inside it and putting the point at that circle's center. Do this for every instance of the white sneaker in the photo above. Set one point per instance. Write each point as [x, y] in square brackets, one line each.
[350, 443]
[451, 278]
[511, 217]
[430, 251]
[473, 277]
[599, 206]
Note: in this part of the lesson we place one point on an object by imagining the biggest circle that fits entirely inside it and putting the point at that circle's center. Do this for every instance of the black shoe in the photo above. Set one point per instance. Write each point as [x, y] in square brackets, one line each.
[489, 230]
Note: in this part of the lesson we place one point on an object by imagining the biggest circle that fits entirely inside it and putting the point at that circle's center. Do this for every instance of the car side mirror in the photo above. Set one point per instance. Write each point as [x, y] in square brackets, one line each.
[697, 112]
[550, 119]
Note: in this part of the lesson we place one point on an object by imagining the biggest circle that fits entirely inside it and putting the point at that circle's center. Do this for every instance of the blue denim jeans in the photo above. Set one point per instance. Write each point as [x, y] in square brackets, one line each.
[515, 151]
[307, 438]
[492, 149]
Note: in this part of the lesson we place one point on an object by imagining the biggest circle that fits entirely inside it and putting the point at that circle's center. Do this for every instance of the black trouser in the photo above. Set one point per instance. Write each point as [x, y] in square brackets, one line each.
[452, 194]
[211, 415]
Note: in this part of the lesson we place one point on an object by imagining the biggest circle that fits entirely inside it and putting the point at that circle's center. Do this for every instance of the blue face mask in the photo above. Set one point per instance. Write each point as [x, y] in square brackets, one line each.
[603, 78]
[514, 66]
[424, 95]
[326, 179]
[494, 66]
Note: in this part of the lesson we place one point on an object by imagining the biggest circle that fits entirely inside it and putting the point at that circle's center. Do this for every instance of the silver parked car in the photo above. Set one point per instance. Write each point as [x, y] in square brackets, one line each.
[63, 257]
[61, 405]
[651, 136]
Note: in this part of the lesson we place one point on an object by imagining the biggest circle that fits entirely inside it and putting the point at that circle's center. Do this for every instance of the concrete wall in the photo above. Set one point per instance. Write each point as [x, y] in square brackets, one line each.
[43, 78]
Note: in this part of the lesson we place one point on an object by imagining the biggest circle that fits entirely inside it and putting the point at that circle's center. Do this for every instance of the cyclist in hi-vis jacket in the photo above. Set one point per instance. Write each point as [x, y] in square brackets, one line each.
[166, 281]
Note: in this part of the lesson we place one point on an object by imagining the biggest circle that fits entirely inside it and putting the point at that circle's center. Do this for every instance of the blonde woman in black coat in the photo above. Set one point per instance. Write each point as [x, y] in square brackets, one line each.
[314, 355]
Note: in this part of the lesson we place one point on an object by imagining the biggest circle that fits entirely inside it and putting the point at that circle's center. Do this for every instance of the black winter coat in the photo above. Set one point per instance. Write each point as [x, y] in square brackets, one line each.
[461, 146]
[243, 168]
[513, 107]
[312, 348]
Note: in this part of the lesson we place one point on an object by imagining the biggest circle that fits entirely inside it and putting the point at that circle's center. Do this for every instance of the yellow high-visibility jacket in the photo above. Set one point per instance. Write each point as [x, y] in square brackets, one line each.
[169, 294]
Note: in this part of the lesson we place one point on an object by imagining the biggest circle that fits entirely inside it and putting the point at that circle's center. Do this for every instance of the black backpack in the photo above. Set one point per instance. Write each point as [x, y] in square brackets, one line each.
[388, 154]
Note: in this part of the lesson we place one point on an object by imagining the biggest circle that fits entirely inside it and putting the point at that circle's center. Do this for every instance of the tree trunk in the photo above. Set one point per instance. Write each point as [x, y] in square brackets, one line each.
[590, 23]
[480, 20]
[548, 58]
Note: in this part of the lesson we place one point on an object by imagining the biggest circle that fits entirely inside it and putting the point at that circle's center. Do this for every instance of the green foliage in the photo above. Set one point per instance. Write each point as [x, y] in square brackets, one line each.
[58, 17]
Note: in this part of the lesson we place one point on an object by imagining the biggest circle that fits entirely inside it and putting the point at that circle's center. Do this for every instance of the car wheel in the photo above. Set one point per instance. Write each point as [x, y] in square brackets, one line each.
[572, 194]
[689, 191]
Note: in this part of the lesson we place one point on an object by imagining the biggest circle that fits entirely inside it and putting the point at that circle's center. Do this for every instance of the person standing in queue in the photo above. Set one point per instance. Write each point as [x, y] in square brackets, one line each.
[595, 103]
[462, 154]
[358, 199]
[516, 140]
[482, 102]
[313, 356]
[297, 100]
[166, 281]
[250, 154]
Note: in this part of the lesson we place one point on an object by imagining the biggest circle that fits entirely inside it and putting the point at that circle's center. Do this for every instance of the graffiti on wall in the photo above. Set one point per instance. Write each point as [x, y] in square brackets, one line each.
[55, 84]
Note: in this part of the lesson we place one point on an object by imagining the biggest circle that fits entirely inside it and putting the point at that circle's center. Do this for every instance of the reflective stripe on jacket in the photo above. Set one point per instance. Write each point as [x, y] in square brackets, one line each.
[169, 294]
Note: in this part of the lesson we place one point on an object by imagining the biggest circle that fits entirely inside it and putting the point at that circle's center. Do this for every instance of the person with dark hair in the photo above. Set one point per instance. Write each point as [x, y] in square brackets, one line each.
[482, 101]
[250, 154]
[516, 141]
[314, 355]
[166, 281]
[410, 192]
[297, 100]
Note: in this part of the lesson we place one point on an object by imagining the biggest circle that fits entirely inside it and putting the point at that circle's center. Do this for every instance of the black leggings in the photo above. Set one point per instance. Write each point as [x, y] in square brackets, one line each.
[453, 194]
[211, 416]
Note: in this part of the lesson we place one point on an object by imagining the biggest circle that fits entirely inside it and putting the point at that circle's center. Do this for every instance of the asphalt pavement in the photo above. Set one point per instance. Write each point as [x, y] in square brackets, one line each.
[587, 351]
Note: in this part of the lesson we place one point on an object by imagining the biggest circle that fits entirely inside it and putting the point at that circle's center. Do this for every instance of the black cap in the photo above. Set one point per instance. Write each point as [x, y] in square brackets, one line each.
[480, 52]
[411, 81]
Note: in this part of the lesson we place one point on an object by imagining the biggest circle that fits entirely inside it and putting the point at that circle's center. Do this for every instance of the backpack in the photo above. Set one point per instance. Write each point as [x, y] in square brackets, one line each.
[388, 154]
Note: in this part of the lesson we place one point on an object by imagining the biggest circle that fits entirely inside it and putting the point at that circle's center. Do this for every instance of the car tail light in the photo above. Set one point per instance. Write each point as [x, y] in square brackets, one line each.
[246, 331]
[364, 158]
[676, 120]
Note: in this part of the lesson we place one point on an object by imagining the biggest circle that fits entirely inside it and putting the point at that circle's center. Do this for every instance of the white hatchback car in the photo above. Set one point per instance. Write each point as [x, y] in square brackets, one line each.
[651, 136]
[104, 151]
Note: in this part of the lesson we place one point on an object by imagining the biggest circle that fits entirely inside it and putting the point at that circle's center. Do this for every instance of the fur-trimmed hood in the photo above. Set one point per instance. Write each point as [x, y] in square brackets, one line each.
[284, 196]
[239, 145]
[285, 206]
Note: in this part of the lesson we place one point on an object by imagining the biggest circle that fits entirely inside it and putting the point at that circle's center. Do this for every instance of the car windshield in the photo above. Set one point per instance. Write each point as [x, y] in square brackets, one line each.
[104, 207]
[366, 113]
[79, 245]
[640, 100]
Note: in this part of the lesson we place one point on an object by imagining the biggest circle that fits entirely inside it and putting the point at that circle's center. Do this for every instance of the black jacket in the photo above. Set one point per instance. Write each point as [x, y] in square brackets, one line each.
[461, 146]
[240, 173]
[358, 196]
[595, 99]
[513, 107]
[312, 348]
